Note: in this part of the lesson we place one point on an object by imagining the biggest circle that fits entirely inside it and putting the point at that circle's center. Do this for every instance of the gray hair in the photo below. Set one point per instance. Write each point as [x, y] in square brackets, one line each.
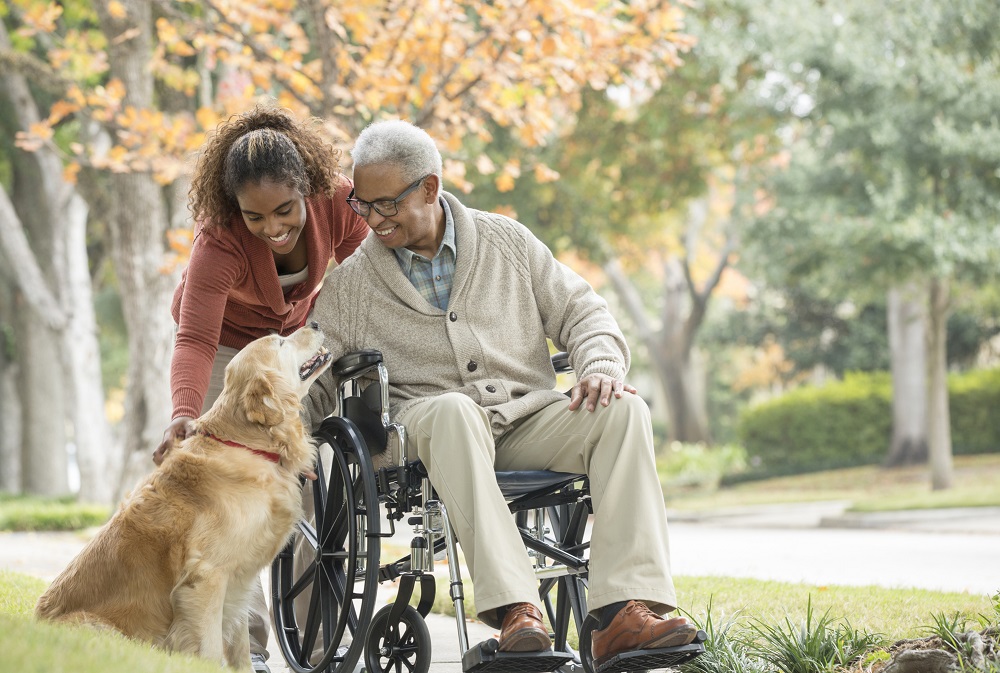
[400, 143]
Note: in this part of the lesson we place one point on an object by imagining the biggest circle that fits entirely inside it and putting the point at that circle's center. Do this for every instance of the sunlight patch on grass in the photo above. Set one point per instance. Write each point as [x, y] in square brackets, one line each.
[31, 646]
[869, 488]
[895, 613]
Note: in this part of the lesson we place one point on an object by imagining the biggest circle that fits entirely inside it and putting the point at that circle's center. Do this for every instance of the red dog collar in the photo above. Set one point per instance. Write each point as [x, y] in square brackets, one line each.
[273, 457]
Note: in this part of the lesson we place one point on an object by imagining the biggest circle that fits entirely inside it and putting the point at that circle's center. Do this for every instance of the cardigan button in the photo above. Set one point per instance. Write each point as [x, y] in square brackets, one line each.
[491, 388]
[453, 316]
[472, 365]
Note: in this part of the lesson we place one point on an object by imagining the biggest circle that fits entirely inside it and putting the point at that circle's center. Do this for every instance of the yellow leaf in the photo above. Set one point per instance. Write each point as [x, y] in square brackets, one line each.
[115, 90]
[545, 174]
[117, 10]
[69, 173]
[60, 109]
[207, 119]
[504, 182]
[41, 130]
[180, 241]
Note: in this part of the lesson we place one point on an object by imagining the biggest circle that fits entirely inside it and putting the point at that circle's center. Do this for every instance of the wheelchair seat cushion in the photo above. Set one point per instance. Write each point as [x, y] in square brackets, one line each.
[520, 482]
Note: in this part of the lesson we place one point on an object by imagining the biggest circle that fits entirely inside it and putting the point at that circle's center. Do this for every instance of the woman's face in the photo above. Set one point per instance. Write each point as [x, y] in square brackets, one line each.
[274, 213]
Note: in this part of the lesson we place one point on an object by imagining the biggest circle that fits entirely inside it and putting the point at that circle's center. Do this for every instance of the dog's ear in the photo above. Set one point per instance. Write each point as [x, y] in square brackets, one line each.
[261, 401]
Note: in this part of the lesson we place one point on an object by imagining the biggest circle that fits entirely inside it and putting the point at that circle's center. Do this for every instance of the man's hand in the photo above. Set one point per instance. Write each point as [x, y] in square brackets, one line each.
[181, 427]
[596, 388]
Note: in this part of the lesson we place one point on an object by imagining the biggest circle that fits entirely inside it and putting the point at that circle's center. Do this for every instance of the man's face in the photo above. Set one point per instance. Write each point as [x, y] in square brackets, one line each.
[415, 225]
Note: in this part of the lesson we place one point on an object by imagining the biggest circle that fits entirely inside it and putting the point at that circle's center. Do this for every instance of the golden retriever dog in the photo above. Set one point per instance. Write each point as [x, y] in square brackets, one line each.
[175, 564]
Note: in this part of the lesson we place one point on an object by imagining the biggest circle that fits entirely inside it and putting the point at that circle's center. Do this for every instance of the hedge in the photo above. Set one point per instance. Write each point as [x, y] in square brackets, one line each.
[849, 423]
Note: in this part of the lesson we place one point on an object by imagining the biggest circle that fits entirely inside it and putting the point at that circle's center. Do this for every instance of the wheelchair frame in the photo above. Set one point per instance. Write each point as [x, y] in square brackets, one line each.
[341, 549]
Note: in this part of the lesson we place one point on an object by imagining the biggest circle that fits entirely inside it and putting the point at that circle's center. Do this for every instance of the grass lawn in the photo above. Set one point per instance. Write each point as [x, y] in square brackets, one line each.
[21, 513]
[893, 613]
[29, 646]
[869, 488]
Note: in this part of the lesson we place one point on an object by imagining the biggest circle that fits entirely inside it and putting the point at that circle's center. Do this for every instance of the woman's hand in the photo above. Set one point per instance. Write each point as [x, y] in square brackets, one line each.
[180, 428]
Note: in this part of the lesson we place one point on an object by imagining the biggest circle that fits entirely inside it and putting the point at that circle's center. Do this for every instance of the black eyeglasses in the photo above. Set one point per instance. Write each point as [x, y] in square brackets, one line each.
[385, 208]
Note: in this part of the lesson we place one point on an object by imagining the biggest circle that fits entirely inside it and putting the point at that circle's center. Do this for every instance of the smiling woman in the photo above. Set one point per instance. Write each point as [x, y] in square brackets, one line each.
[270, 211]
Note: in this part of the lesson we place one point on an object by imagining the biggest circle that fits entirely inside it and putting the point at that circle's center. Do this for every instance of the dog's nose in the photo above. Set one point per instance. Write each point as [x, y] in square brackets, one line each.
[314, 325]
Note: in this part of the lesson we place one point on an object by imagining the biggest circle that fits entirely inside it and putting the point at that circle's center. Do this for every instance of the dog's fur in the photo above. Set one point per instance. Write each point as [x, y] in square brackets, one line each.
[174, 566]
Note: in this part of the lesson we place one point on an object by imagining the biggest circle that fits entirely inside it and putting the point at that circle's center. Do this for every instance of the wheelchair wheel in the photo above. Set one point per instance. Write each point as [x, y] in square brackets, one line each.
[586, 638]
[400, 645]
[323, 583]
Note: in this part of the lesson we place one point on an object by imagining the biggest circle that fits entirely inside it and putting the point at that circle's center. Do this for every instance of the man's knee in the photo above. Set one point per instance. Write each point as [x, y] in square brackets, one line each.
[626, 425]
[629, 409]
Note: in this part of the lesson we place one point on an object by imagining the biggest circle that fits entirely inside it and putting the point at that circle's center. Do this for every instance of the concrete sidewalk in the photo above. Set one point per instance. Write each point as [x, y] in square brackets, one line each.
[833, 514]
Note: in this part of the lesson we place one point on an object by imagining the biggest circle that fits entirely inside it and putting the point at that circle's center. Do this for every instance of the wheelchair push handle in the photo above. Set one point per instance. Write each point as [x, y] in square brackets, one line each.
[355, 363]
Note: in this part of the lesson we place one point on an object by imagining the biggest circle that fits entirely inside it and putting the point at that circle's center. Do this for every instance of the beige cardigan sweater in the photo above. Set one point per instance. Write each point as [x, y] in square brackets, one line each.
[508, 294]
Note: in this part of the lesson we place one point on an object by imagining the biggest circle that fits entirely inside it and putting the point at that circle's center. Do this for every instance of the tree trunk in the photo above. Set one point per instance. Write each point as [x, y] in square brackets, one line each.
[91, 431]
[138, 226]
[669, 356]
[688, 421]
[10, 402]
[52, 271]
[939, 416]
[907, 322]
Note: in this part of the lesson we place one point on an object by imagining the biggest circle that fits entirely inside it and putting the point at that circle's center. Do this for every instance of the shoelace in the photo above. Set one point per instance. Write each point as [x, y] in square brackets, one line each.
[642, 608]
[519, 610]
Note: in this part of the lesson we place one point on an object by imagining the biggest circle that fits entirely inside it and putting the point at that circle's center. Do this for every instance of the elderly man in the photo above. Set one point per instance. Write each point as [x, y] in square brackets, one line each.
[460, 303]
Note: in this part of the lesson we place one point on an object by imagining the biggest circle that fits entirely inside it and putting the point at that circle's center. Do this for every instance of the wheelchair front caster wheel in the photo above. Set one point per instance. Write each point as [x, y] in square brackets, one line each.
[586, 637]
[402, 645]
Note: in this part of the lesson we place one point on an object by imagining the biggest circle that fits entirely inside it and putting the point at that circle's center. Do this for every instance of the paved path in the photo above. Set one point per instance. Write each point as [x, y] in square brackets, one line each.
[949, 550]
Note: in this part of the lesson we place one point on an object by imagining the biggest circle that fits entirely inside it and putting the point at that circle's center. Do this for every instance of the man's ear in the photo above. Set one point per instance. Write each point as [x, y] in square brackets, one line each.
[261, 402]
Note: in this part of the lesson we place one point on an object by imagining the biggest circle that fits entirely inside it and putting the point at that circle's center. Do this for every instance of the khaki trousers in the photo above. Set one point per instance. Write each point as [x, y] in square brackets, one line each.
[613, 445]
[259, 616]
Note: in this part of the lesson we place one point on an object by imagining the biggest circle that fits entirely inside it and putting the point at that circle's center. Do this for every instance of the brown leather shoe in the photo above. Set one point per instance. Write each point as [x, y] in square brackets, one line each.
[636, 627]
[523, 630]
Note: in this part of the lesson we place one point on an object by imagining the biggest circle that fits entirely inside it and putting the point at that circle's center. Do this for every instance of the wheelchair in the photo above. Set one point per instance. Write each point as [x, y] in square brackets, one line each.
[324, 582]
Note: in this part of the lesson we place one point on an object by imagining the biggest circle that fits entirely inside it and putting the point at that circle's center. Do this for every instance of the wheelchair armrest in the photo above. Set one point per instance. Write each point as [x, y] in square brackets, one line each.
[355, 363]
[560, 362]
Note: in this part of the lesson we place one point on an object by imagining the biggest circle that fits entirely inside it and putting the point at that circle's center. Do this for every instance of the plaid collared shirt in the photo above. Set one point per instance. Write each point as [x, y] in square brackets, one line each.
[432, 277]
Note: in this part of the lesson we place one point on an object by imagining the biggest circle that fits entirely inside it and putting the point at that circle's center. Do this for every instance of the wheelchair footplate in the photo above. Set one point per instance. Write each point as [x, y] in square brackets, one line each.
[664, 657]
[486, 656]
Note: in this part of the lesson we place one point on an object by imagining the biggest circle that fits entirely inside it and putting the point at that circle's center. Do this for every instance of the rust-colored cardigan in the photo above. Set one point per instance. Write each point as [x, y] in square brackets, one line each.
[229, 293]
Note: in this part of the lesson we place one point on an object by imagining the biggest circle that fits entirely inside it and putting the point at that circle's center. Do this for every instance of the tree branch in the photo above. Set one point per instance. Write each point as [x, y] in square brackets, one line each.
[38, 71]
[27, 274]
[630, 298]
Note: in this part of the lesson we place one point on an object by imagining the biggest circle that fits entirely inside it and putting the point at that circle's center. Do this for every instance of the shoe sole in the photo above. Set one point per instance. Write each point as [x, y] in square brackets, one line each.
[676, 637]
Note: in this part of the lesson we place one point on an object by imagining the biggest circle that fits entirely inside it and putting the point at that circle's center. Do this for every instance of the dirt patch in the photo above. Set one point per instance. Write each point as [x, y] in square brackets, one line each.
[977, 651]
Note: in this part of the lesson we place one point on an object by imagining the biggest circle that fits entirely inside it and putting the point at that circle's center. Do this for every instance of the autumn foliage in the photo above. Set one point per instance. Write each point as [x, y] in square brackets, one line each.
[453, 67]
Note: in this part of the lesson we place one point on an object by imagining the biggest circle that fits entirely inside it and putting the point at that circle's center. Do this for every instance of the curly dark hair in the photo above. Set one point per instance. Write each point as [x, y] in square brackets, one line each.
[265, 143]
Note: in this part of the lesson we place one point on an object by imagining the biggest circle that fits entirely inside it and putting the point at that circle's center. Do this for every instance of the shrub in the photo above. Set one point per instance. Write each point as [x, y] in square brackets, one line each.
[849, 423]
[974, 399]
[809, 429]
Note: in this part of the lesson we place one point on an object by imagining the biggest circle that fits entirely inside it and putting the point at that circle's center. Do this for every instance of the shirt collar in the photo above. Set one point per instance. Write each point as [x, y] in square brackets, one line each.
[405, 255]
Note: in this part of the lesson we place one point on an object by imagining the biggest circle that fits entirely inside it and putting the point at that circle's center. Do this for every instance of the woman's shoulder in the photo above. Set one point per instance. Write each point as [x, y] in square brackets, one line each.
[218, 243]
